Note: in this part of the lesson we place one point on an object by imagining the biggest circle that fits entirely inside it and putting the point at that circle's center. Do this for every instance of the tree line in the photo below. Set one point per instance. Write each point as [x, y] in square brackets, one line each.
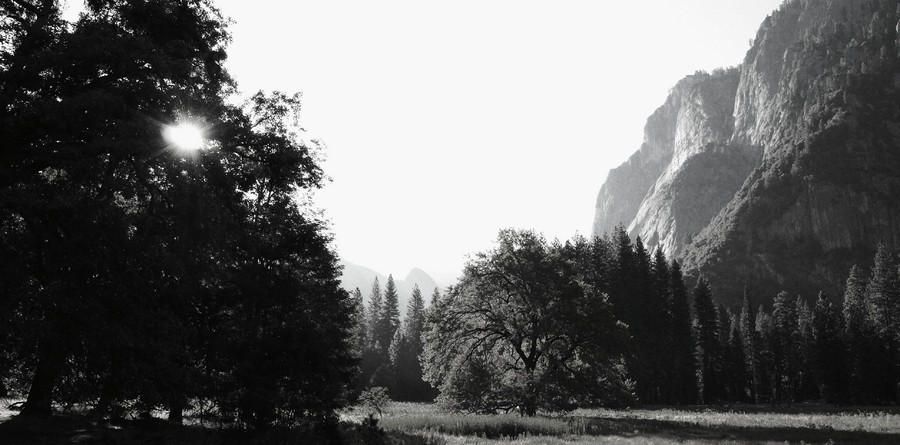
[533, 324]
[388, 348]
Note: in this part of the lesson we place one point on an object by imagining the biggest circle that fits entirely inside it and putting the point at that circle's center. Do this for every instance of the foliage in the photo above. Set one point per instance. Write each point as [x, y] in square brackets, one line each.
[374, 400]
[526, 325]
[707, 348]
[137, 273]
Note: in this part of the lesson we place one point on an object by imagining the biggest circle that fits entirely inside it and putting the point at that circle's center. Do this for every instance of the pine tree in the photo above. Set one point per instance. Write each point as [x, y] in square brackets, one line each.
[682, 350]
[376, 300]
[415, 318]
[765, 355]
[882, 298]
[806, 381]
[859, 338]
[602, 260]
[435, 297]
[706, 334]
[622, 282]
[389, 318]
[361, 331]
[883, 293]
[735, 362]
[750, 341]
[784, 316]
[405, 352]
[656, 327]
[828, 351]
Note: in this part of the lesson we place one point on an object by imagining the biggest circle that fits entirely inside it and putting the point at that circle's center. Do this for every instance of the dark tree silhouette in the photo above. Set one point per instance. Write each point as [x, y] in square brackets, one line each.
[146, 273]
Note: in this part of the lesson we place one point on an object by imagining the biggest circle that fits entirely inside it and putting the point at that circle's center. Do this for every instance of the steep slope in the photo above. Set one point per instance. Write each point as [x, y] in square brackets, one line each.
[820, 91]
[705, 170]
[790, 178]
[625, 186]
[685, 171]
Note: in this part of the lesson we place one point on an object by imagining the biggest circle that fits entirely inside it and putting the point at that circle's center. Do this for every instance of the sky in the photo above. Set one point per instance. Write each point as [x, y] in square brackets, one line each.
[444, 122]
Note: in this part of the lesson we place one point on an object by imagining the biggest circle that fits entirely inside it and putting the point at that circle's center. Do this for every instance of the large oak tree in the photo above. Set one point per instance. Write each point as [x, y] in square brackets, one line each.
[527, 327]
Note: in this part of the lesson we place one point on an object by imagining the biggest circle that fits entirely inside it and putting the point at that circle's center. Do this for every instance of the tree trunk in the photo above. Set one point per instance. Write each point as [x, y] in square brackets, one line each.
[49, 367]
[530, 408]
[176, 411]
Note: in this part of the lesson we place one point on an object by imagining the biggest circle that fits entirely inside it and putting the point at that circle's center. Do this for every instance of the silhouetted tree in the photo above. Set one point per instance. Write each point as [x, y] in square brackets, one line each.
[828, 351]
[389, 317]
[405, 351]
[706, 343]
[145, 273]
[522, 318]
[750, 341]
[783, 345]
[734, 368]
[883, 307]
[682, 350]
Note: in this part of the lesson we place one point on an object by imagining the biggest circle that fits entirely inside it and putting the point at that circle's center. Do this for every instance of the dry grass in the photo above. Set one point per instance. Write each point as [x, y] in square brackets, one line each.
[808, 424]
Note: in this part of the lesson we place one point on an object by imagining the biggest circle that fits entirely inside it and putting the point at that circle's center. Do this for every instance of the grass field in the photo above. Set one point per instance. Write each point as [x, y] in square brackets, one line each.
[425, 424]
[739, 424]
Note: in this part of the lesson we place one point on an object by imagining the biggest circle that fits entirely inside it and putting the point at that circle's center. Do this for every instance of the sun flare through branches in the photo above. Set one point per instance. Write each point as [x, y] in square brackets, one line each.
[185, 136]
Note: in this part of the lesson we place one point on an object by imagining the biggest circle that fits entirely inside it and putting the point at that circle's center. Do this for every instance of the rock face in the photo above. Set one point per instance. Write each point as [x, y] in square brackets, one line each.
[686, 169]
[792, 177]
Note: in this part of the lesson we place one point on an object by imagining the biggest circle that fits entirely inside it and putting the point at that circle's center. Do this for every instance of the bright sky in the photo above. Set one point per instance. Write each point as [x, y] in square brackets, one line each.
[447, 121]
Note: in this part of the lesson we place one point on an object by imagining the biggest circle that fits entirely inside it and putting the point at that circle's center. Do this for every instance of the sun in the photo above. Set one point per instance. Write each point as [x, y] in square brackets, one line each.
[185, 136]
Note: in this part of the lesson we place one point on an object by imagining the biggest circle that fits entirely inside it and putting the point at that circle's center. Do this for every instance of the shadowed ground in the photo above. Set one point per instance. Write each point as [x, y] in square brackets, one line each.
[407, 423]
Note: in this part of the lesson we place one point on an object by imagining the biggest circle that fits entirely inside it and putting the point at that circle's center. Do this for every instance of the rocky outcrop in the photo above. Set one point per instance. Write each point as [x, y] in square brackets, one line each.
[811, 147]
[695, 119]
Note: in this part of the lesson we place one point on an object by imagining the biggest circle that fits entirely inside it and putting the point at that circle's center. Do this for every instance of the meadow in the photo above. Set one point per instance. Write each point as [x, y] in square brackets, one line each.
[426, 424]
[734, 424]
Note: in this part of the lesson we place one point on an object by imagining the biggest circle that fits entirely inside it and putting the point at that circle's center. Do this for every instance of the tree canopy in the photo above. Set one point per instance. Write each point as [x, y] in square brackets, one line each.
[135, 272]
[526, 327]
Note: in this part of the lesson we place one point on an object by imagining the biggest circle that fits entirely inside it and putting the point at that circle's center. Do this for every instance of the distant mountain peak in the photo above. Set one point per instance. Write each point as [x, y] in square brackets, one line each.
[356, 276]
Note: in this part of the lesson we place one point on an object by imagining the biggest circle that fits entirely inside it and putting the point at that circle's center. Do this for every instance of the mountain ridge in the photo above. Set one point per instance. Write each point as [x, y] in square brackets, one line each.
[800, 179]
[357, 276]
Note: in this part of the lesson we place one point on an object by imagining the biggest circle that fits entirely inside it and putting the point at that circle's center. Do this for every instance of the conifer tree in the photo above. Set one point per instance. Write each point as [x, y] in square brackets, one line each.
[828, 351]
[806, 382]
[389, 318]
[883, 293]
[603, 259]
[882, 299]
[682, 349]
[435, 297]
[361, 333]
[376, 301]
[415, 318]
[656, 326]
[750, 340]
[765, 355]
[784, 317]
[373, 357]
[859, 338]
[622, 282]
[641, 317]
[405, 352]
[735, 368]
[706, 335]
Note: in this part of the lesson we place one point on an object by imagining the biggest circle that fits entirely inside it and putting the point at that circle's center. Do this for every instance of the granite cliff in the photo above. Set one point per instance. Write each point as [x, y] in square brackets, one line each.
[784, 172]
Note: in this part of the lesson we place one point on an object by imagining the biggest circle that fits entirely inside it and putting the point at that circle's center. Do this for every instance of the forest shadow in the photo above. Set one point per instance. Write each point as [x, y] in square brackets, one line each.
[85, 430]
[684, 431]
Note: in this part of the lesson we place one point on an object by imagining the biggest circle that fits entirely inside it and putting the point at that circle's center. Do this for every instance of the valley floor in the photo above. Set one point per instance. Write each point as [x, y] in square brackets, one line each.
[411, 423]
[733, 424]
